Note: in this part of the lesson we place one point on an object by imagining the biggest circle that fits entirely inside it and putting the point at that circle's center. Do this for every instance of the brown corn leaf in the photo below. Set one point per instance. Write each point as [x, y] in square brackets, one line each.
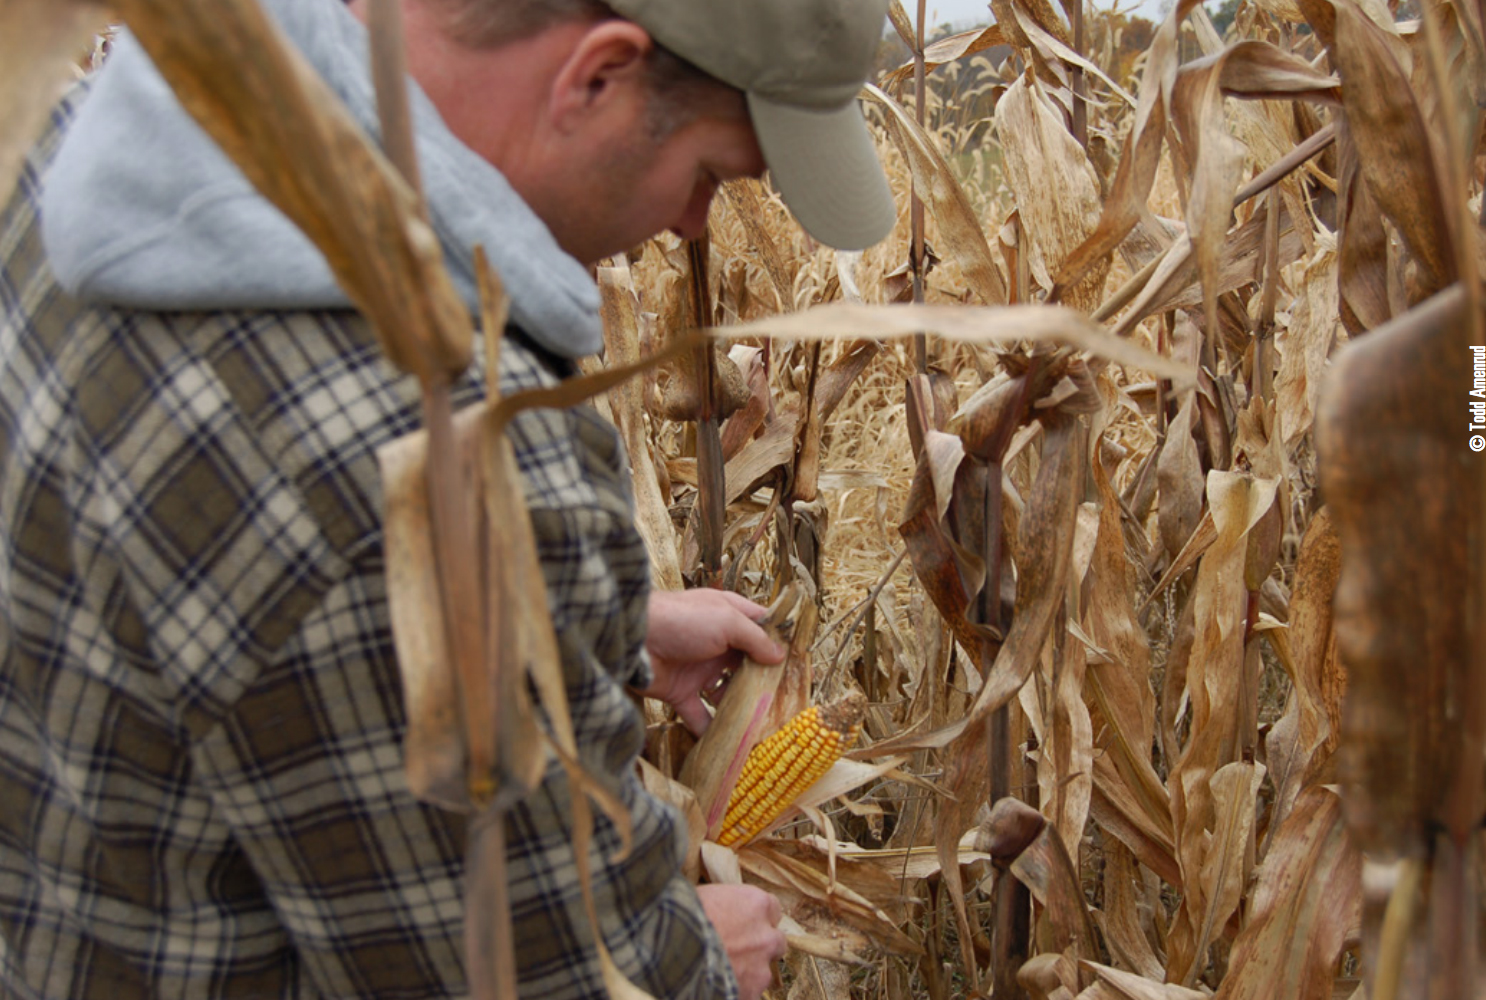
[746, 198]
[1179, 478]
[858, 897]
[1120, 813]
[1056, 188]
[1045, 868]
[1362, 245]
[965, 324]
[1174, 284]
[1397, 149]
[1393, 437]
[1217, 167]
[1046, 544]
[40, 42]
[967, 771]
[961, 237]
[1065, 771]
[950, 573]
[1219, 604]
[1132, 987]
[627, 405]
[1301, 741]
[1213, 897]
[1305, 905]
[1119, 677]
[946, 50]
[1305, 343]
[1128, 909]
[1125, 203]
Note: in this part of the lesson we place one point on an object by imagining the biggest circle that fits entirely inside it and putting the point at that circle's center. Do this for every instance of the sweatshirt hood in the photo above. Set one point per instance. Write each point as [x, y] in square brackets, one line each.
[142, 210]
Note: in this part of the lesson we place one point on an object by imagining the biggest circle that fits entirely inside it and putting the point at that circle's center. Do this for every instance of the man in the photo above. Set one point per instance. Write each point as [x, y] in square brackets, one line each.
[200, 719]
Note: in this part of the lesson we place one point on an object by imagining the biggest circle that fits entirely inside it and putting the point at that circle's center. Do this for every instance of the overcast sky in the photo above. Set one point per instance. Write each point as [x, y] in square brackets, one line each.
[971, 13]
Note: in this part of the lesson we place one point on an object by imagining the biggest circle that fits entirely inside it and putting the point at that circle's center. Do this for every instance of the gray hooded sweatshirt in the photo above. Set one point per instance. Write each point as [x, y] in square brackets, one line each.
[141, 210]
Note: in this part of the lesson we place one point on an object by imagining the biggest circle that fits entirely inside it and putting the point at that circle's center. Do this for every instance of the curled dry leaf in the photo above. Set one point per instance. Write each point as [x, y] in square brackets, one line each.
[1401, 484]
[947, 50]
[1056, 188]
[1398, 150]
[1299, 745]
[961, 237]
[1305, 906]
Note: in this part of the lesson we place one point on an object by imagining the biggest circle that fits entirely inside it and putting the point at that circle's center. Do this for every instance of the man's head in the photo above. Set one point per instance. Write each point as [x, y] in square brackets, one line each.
[616, 121]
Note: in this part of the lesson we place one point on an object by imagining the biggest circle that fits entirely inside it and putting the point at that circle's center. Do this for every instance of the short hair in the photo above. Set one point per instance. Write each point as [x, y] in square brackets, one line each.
[680, 91]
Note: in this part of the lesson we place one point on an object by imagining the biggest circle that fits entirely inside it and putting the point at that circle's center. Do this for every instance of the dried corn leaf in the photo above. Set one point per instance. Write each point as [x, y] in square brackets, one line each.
[859, 897]
[1065, 772]
[1393, 437]
[1214, 668]
[1362, 245]
[40, 42]
[627, 404]
[1056, 188]
[1301, 741]
[1305, 343]
[1128, 909]
[1045, 868]
[1119, 679]
[1213, 897]
[1179, 478]
[961, 237]
[965, 324]
[1126, 201]
[946, 50]
[1305, 906]
[1133, 987]
[1397, 148]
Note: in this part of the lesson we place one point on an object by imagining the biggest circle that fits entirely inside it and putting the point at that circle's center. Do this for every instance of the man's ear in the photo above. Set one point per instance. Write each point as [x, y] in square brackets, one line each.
[605, 65]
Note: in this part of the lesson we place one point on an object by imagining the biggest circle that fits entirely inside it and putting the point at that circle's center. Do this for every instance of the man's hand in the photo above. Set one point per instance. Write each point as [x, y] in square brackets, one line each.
[747, 920]
[696, 638]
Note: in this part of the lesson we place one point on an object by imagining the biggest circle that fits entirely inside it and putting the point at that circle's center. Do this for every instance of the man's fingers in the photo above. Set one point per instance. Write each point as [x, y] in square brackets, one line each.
[773, 912]
[746, 635]
[694, 716]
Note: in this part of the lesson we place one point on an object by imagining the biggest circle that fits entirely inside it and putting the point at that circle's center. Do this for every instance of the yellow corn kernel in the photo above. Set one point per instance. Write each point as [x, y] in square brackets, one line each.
[787, 763]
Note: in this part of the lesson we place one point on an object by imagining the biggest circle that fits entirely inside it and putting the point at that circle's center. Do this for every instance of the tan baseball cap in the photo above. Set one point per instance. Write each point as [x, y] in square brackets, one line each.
[801, 64]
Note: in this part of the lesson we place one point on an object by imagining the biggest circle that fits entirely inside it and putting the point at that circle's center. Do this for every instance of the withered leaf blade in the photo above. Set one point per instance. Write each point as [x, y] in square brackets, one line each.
[1142, 152]
[1304, 906]
[947, 50]
[1396, 469]
[966, 324]
[1057, 190]
[1300, 743]
[962, 238]
[1396, 146]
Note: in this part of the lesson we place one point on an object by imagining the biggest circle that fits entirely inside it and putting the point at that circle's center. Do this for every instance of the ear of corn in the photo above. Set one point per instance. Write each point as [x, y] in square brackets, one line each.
[787, 763]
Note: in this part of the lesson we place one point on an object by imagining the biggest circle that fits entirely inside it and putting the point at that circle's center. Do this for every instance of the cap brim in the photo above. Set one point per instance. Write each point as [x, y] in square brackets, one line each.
[825, 166]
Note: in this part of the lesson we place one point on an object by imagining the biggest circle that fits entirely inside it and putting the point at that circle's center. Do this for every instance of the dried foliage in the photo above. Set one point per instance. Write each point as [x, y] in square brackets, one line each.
[1118, 744]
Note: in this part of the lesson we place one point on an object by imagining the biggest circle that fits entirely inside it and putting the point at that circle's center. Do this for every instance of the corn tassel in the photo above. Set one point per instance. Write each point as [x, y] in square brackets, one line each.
[787, 763]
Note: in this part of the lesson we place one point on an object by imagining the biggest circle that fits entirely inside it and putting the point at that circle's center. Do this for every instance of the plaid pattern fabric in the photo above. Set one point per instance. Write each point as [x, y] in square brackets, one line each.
[201, 786]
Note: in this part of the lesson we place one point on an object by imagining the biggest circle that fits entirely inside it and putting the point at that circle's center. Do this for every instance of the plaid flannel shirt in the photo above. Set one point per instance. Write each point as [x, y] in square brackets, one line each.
[201, 722]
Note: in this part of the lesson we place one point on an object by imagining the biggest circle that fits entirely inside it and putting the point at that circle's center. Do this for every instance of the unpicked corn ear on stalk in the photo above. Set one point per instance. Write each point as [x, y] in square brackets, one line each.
[787, 763]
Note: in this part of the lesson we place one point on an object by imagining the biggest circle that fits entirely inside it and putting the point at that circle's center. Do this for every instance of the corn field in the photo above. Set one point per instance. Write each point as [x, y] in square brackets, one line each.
[1146, 520]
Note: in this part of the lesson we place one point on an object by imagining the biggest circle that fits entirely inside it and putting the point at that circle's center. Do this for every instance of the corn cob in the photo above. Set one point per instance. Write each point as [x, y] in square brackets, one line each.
[787, 763]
